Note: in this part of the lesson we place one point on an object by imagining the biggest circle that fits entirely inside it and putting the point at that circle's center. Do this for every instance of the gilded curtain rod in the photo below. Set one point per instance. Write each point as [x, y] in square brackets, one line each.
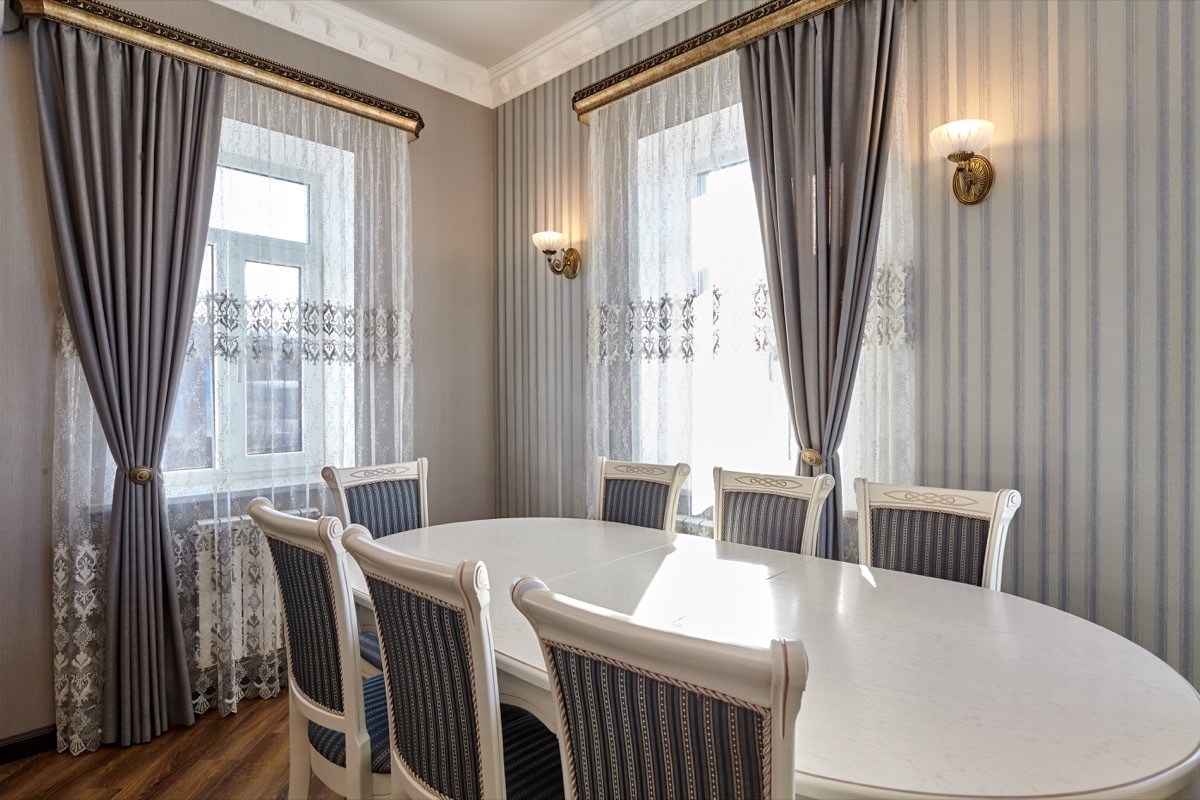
[113, 23]
[718, 40]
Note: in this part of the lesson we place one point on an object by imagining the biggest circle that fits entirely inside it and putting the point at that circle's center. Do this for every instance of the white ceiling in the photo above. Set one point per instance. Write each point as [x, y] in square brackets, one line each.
[483, 31]
[488, 51]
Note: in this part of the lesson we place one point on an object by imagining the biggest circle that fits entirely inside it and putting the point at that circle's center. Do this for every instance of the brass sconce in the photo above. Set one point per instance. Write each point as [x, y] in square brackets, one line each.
[959, 142]
[550, 243]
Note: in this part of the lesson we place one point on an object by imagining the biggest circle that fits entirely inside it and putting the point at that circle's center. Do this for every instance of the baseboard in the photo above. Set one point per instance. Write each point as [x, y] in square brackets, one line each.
[40, 740]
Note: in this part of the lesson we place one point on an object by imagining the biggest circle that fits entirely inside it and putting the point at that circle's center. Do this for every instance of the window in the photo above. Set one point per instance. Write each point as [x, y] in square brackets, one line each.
[740, 417]
[250, 410]
[708, 387]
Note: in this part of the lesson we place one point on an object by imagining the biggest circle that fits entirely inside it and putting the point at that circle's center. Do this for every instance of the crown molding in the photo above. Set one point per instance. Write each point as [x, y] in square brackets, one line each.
[589, 35]
[575, 43]
[342, 28]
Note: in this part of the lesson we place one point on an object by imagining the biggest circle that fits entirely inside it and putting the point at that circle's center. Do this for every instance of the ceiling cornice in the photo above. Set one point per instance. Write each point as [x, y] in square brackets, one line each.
[579, 41]
[364, 37]
[575, 43]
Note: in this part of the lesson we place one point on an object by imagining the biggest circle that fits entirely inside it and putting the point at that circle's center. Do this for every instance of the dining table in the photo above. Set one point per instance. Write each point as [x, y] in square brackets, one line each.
[917, 687]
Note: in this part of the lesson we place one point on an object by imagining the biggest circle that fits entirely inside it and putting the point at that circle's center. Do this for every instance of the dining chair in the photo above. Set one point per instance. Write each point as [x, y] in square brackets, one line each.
[782, 512]
[953, 534]
[337, 720]
[656, 713]
[639, 494]
[384, 499]
[450, 736]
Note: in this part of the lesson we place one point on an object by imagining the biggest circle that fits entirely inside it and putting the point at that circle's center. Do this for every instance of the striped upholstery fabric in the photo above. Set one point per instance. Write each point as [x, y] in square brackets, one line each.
[368, 648]
[633, 736]
[532, 764]
[307, 593]
[635, 502]
[332, 744]
[764, 520]
[432, 690]
[385, 507]
[931, 543]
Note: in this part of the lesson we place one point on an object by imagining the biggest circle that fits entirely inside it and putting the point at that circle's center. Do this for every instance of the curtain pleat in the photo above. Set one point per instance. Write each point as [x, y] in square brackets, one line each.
[129, 146]
[817, 99]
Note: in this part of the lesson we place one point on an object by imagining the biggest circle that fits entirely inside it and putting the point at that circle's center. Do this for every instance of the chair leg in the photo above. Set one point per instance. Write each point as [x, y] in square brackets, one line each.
[299, 769]
[358, 770]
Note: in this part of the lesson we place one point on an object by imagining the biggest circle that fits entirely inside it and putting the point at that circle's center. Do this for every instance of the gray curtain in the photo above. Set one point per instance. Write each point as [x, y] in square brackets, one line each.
[817, 99]
[129, 144]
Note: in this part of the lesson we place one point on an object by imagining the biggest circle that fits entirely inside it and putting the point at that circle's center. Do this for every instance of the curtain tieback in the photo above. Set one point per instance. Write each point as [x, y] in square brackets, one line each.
[139, 475]
[811, 457]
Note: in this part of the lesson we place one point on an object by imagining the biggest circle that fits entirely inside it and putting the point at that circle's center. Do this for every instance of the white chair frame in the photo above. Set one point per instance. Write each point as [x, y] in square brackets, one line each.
[463, 586]
[340, 478]
[998, 508]
[815, 490]
[324, 537]
[772, 677]
[673, 477]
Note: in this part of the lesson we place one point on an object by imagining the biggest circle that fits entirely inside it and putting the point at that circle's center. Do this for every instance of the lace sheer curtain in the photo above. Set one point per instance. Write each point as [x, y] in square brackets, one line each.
[681, 356]
[881, 433]
[300, 356]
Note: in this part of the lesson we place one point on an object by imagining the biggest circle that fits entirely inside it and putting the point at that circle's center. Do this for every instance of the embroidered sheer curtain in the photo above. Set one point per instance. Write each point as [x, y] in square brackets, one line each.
[682, 364]
[681, 355]
[881, 431]
[300, 356]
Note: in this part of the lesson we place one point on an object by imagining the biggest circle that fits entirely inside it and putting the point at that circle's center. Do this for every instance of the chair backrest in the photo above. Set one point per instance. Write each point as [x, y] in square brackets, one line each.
[954, 534]
[440, 670]
[320, 627]
[384, 499]
[782, 512]
[654, 713]
[639, 494]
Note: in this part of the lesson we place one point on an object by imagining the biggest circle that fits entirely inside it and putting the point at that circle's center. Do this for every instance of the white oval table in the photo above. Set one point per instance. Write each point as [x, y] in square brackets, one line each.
[917, 687]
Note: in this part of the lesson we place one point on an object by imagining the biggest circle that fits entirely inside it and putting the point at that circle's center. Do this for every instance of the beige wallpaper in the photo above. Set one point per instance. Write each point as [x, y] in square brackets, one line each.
[453, 174]
[26, 403]
[1058, 319]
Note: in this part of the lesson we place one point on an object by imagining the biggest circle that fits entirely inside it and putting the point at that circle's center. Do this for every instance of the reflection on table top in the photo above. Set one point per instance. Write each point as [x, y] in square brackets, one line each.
[916, 685]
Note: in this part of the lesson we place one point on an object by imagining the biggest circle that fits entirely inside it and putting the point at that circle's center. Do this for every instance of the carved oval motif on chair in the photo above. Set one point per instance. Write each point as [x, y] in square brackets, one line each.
[954, 500]
[774, 483]
[635, 469]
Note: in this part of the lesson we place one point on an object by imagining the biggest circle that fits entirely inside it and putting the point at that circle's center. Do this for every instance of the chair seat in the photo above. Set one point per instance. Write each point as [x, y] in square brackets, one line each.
[532, 764]
[368, 648]
[331, 744]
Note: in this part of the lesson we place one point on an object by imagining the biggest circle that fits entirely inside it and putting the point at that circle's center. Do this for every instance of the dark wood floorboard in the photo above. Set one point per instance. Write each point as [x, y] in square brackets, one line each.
[243, 755]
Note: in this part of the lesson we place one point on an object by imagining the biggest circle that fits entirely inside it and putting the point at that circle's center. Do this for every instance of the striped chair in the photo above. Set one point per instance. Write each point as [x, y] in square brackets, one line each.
[656, 713]
[384, 499]
[781, 512]
[338, 720]
[450, 736]
[639, 494]
[943, 533]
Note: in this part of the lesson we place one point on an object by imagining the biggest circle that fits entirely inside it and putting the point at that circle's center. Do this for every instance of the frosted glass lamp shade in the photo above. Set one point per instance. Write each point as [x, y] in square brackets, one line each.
[549, 241]
[963, 136]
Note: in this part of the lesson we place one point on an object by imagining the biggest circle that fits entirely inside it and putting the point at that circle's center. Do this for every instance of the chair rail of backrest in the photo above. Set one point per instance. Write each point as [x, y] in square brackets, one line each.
[339, 479]
[997, 508]
[322, 537]
[770, 679]
[815, 491]
[670, 476]
[462, 587]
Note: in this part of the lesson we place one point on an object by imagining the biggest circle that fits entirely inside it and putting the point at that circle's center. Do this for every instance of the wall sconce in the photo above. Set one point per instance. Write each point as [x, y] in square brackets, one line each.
[550, 243]
[959, 142]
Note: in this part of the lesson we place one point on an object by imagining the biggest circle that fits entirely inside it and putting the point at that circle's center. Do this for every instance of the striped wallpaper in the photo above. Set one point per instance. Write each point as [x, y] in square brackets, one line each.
[541, 346]
[1056, 321]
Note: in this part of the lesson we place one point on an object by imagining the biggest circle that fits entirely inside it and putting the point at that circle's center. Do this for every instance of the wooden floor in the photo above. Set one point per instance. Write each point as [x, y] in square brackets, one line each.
[243, 755]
